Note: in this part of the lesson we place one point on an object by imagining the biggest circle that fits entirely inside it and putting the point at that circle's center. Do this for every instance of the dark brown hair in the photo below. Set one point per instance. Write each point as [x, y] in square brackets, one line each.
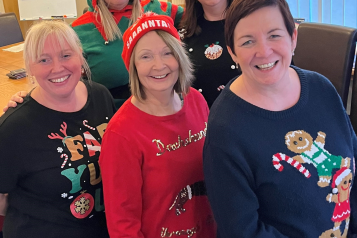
[242, 8]
[193, 11]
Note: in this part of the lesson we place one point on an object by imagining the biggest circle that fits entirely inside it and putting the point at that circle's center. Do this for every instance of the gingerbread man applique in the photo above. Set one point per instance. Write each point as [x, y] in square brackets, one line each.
[313, 152]
[341, 184]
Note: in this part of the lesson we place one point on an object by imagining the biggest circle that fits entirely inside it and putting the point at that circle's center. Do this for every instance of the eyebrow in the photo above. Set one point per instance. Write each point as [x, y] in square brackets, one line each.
[250, 36]
[275, 29]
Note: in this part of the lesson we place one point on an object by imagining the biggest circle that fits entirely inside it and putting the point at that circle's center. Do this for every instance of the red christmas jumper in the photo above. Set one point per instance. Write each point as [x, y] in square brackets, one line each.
[146, 161]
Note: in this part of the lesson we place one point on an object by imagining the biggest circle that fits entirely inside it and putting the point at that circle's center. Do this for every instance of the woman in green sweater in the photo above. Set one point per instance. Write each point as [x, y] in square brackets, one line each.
[100, 30]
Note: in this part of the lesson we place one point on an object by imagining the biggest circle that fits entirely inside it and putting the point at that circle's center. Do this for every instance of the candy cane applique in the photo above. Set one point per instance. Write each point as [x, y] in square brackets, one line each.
[220, 87]
[86, 125]
[278, 157]
[65, 160]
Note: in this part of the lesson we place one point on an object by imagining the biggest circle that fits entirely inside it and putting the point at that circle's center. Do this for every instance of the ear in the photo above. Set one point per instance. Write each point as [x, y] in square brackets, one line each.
[294, 39]
[233, 56]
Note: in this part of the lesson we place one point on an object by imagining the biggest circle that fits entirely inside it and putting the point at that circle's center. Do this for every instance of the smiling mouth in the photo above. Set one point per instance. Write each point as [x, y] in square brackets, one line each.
[59, 80]
[160, 76]
[345, 188]
[267, 66]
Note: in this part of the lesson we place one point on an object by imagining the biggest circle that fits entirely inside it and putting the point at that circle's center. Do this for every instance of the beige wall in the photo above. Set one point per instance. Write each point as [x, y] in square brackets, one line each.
[2, 9]
[12, 6]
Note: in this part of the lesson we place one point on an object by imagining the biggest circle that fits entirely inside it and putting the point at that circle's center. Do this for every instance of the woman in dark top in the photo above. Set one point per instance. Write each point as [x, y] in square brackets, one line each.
[202, 30]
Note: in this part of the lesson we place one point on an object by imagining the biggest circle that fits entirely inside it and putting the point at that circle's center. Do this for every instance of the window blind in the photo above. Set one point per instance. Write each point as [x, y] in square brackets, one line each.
[338, 12]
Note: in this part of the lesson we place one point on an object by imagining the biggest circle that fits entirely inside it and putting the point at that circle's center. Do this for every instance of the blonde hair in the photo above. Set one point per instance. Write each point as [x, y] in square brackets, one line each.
[38, 33]
[110, 27]
[185, 76]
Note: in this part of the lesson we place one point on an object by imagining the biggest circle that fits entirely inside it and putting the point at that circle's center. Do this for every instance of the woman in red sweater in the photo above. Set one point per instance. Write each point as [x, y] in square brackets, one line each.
[151, 159]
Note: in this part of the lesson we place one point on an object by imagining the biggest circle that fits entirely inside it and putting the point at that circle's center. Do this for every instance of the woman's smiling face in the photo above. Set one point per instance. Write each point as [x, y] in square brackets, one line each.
[263, 47]
[156, 65]
[57, 70]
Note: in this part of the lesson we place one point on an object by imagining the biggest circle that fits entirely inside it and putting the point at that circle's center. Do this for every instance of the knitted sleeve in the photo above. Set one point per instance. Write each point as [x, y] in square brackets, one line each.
[11, 165]
[353, 195]
[164, 8]
[120, 164]
[230, 190]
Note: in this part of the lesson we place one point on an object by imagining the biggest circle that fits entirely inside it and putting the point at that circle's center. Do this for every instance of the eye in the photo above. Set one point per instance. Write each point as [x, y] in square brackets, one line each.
[66, 56]
[274, 36]
[247, 43]
[332, 235]
[295, 142]
[144, 57]
[300, 138]
[345, 182]
[350, 181]
[43, 61]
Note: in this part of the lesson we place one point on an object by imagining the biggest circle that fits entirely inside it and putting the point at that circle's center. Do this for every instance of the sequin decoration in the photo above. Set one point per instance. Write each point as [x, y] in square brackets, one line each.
[180, 142]
[189, 232]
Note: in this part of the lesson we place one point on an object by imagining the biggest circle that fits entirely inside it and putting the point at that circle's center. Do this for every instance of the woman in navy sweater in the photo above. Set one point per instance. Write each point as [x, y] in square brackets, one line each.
[279, 153]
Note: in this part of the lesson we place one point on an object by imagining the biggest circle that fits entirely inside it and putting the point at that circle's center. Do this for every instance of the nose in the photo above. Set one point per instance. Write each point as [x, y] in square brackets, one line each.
[57, 66]
[159, 63]
[263, 49]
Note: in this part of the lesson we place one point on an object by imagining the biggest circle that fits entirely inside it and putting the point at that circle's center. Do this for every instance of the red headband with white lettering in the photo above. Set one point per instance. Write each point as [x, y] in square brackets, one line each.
[149, 21]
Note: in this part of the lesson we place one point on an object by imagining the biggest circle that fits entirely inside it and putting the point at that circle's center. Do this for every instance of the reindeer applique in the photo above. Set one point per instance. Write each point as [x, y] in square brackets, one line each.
[72, 143]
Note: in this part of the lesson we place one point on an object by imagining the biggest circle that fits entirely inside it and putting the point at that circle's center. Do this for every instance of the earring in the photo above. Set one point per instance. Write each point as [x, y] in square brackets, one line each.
[82, 70]
[30, 77]
[237, 66]
[293, 52]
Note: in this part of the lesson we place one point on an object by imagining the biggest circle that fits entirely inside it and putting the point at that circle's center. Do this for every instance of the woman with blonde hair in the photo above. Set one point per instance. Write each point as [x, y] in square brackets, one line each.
[51, 173]
[151, 157]
[100, 30]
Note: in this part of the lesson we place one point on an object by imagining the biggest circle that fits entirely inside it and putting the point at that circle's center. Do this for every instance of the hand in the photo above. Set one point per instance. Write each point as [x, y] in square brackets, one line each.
[3, 204]
[16, 98]
[180, 200]
[332, 198]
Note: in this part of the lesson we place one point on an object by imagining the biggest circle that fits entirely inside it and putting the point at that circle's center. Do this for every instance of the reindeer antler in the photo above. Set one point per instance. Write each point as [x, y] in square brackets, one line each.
[55, 136]
[63, 130]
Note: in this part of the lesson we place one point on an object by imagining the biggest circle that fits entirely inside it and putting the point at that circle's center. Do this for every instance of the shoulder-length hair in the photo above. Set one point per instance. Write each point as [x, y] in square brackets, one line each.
[185, 76]
[37, 35]
[193, 11]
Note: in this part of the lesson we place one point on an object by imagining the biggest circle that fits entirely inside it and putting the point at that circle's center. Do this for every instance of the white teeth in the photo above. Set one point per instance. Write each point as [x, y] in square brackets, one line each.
[60, 80]
[266, 66]
[159, 77]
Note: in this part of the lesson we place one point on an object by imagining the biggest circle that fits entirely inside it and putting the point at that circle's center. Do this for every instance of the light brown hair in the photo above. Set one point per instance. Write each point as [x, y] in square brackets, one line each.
[185, 76]
[110, 27]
